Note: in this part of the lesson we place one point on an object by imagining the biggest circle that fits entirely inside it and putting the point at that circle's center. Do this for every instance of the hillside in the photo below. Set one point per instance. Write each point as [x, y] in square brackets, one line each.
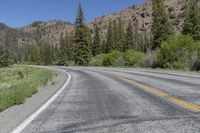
[139, 15]
[47, 31]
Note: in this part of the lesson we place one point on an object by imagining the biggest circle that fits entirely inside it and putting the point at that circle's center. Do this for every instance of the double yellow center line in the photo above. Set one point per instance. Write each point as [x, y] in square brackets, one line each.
[185, 104]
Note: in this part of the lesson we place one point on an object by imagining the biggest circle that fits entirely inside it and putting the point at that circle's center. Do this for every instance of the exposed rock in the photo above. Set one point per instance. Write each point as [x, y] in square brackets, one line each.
[48, 31]
[141, 16]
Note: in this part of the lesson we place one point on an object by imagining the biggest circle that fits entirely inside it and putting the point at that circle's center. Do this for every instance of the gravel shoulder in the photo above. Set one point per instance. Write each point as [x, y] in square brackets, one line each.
[15, 115]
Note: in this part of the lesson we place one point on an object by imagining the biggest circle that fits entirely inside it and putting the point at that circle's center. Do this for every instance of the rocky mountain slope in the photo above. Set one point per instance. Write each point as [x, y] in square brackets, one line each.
[48, 31]
[139, 15]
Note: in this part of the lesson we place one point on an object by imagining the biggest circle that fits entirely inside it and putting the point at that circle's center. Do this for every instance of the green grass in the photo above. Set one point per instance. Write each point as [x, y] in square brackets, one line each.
[20, 82]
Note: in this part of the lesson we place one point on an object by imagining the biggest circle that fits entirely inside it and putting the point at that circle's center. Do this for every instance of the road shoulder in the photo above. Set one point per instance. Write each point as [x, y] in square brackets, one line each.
[13, 116]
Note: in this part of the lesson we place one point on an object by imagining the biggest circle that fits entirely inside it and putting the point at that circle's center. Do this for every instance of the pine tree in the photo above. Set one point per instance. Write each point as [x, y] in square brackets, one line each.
[34, 53]
[103, 48]
[80, 16]
[56, 51]
[146, 43]
[115, 35]
[161, 28]
[82, 40]
[53, 54]
[3, 56]
[65, 50]
[46, 54]
[109, 40]
[69, 47]
[96, 45]
[191, 25]
[120, 31]
[62, 53]
[129, 42]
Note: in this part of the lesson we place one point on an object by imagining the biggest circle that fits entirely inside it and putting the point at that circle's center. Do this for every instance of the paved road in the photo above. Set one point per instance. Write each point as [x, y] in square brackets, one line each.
[114, 100]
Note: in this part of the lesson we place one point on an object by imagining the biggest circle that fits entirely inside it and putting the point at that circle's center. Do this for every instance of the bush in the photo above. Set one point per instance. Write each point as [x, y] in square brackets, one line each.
[179, 52]
[196, 65]
[130, 58]
[151, 59]
[20, 74]
[114, 58]
[69, 63]
[97, 60]
[134, 59]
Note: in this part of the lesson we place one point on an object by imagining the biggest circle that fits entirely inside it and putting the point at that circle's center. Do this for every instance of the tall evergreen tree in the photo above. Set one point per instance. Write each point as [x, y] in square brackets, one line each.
[66, 49]
[109, 40]
[3, 56]
[120, 31]
[80, 16]
[103, 48]
[69, 47]
[34, 53]
[115, 35]
[55, 52]
[62, 54]
[82, 40]
[129, 42]
[146, 43]
[161, 28]
[46, 54]
[191, 25]
[96, 45]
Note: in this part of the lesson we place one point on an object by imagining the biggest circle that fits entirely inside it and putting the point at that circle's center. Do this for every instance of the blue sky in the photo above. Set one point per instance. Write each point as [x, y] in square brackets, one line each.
[18, 13]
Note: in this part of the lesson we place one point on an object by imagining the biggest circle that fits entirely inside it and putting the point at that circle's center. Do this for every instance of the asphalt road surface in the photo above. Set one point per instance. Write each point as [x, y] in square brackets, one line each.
[114, 100]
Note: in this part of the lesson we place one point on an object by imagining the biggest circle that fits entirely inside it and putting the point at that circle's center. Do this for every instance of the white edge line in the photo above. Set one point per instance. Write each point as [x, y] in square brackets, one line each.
[25, 123]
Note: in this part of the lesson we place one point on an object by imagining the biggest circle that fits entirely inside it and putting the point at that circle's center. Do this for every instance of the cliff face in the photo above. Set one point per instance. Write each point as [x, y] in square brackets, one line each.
[141, 16]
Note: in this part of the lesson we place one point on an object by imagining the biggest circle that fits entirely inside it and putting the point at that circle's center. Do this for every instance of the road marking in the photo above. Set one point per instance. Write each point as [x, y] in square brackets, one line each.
[24, 124]
[185, 104]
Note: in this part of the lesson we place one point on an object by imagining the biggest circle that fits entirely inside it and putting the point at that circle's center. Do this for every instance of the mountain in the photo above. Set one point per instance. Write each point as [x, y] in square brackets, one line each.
[47, 31]
[139, 15]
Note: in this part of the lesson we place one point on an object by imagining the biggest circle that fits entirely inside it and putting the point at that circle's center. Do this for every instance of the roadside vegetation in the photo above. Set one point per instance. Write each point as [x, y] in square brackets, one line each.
[122, 45]
[130, 58]
[20, 82]
[180, 52]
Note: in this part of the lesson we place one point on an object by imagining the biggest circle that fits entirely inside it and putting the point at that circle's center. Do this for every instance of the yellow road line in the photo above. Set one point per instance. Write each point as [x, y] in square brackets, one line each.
[185, 104]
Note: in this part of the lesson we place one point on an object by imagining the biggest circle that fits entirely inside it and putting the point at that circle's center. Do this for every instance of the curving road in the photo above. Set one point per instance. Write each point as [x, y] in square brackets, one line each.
[114, 100]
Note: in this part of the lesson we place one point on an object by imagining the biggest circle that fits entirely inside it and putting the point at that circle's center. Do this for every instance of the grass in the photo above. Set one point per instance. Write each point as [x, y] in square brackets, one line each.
[20, 82]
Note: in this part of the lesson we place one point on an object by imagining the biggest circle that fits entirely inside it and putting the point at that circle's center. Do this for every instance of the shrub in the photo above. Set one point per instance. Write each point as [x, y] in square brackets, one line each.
[196, 65]
[112, 59]
[69, 63]
[134, 59]
[178, 52]
[150, 59]
[130, 58]
[97, 60]
[20, 74]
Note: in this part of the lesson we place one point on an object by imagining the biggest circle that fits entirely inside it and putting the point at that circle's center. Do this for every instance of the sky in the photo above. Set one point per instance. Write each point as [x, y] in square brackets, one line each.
[18, 13]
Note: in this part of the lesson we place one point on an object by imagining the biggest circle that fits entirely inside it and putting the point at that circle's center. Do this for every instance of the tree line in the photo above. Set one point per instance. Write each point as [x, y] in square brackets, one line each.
[79, 47]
